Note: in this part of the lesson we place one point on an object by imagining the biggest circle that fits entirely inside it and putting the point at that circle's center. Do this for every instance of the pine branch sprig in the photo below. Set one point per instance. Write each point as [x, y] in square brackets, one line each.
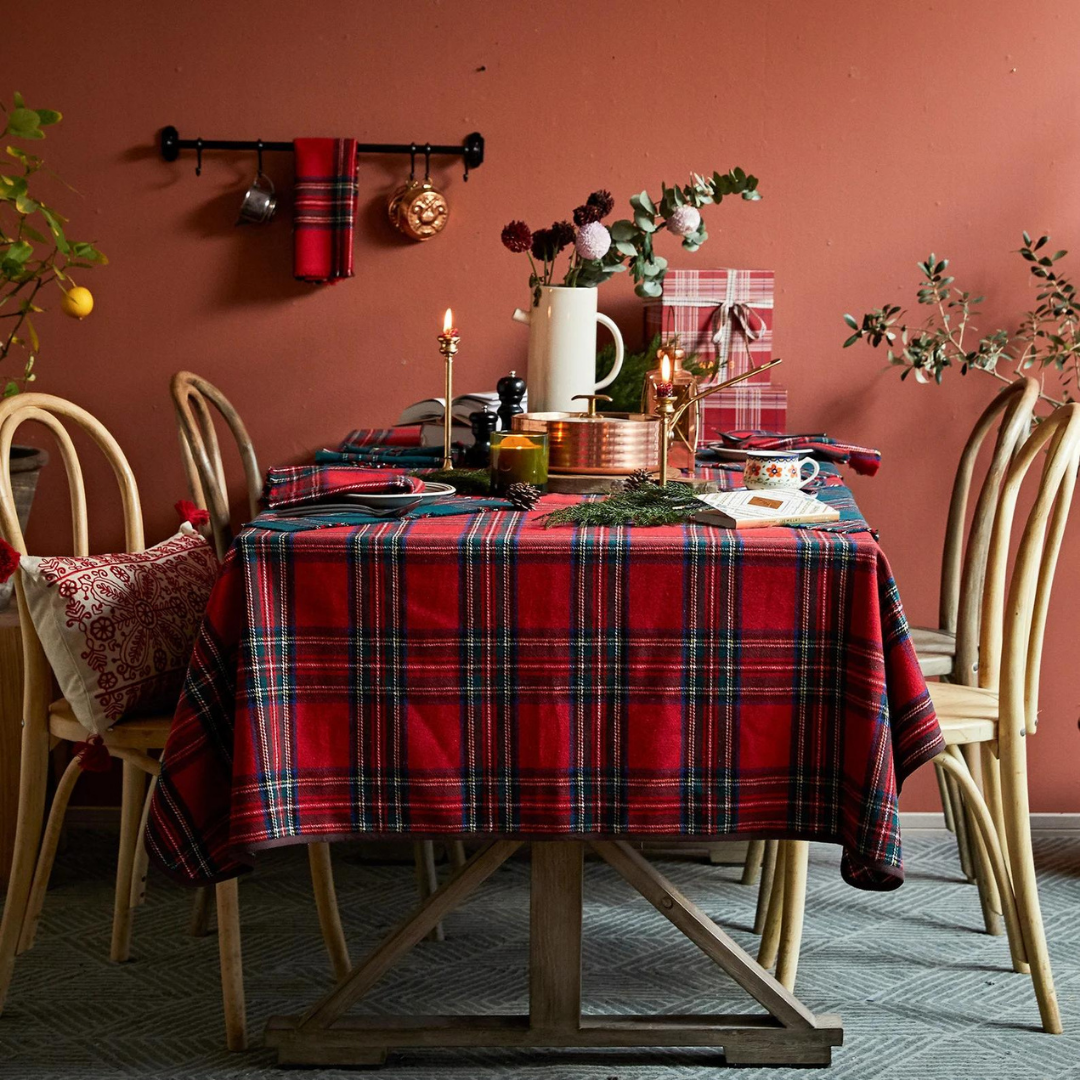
[648, 505]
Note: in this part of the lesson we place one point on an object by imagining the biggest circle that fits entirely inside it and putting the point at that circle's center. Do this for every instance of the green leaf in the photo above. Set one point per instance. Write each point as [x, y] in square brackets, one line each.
[33, 234]
[645, 222]
[11, 389]
[850, 320]
[31, 161]
[19, 252]
[851, 340]
[48, 116]
[18, 99]
[24, 124]
[35, 344]
[623, 230]
[649, 289]
[626, 248]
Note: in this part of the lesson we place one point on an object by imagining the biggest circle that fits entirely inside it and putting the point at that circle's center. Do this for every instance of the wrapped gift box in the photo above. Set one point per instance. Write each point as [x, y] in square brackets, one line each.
[748, 406]
[725, 317]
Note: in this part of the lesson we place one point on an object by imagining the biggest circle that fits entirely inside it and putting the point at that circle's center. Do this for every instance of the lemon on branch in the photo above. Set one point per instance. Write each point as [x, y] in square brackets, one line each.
[78, 302]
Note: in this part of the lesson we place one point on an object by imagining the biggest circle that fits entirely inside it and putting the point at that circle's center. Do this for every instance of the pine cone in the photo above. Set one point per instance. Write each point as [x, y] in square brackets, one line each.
[523, 496]
[638, 479]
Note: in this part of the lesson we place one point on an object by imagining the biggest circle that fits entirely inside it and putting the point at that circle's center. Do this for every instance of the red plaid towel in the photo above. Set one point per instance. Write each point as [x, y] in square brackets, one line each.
[290, 485]
[325, 208]
[863, 459]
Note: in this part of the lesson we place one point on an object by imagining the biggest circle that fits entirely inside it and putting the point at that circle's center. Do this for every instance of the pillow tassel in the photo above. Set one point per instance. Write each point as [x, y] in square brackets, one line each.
[93, 755]
[9, 560]
[190, 513]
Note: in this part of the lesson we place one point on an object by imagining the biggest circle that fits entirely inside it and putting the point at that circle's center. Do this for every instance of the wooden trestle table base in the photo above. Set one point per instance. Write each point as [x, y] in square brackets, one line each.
[789, 1034]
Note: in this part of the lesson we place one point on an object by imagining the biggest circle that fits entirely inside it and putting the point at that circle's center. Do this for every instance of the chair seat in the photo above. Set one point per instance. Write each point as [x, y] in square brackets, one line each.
[967, 714]
[935, 650]
[139, 733]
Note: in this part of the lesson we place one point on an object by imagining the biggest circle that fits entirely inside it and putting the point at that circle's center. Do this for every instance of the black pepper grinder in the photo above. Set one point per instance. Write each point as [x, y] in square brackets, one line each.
[483, 423]
[511, 389]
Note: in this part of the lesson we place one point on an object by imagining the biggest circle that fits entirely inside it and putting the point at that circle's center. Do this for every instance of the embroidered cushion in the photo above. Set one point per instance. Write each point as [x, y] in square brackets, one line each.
[118, 630]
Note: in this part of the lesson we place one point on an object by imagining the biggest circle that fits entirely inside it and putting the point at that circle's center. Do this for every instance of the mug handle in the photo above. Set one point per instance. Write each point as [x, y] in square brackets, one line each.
[813, 475]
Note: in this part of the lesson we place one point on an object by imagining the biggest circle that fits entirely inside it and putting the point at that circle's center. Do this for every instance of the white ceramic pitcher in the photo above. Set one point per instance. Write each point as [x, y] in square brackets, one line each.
[562, 348]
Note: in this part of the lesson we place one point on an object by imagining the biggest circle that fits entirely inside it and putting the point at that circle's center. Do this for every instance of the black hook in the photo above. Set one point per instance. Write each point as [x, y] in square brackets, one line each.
[259, 150]
[427, 162]
[198, 157]
[412, 161]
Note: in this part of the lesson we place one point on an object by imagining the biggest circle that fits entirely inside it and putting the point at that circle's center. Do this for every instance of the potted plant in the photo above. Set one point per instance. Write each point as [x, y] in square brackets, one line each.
[563, 316]
[35, 252]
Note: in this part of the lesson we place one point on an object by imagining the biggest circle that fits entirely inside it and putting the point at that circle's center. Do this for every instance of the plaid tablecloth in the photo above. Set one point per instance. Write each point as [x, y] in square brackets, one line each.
[484, 675]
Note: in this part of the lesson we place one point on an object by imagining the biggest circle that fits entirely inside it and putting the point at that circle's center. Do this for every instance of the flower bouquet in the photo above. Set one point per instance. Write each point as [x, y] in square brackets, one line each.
[599, 251]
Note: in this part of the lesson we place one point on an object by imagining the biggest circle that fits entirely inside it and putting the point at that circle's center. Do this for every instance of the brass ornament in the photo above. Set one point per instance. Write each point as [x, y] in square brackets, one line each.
[393, 207]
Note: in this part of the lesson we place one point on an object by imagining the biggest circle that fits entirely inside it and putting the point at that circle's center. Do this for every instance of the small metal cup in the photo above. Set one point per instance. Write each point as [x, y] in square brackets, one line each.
[259, 203]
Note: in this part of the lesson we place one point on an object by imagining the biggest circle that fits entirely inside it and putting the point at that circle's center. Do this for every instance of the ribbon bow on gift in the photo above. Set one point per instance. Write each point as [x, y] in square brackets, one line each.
[734, 311]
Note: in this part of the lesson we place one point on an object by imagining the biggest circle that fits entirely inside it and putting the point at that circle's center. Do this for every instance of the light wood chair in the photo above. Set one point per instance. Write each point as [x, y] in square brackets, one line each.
[193, 398]
[47, 722]
[996, 716]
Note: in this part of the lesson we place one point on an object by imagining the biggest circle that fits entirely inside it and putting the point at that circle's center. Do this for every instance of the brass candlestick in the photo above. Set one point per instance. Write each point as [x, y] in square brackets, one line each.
[669, 415]
[448, 346]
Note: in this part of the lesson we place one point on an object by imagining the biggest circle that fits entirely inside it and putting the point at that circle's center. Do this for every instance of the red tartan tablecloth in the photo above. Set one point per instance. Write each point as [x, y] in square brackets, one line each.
[485, 675]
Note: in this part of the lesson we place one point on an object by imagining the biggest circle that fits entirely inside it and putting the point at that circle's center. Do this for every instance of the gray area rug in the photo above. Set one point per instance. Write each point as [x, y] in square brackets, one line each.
[922, 991]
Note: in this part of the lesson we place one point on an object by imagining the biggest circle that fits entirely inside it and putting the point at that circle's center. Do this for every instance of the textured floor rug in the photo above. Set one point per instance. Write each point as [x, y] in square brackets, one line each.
[923, 993]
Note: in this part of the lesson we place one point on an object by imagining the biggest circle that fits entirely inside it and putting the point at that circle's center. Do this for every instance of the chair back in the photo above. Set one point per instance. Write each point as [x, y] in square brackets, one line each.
[964, 562]
[1013, 623]
[52, 412]
[193, 397]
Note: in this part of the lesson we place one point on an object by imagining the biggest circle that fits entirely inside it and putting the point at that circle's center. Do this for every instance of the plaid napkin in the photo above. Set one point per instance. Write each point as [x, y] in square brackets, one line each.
[363, 438]
[290, 485]
[863, 459]
[384, 446]
[324, 209]
[442, 508]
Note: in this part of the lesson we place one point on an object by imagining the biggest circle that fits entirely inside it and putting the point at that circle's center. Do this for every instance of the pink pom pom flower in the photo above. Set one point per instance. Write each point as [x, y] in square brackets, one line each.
[684, 221]
[593, 241]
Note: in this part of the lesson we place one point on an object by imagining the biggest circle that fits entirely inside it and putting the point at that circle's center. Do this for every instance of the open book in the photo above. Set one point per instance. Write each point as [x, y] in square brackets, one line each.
[432, 410]
[749, 508]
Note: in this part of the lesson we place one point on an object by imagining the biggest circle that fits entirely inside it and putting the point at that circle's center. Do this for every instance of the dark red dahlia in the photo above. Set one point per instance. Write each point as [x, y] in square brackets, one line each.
[602, 201]
[562, 233]
[517, 236]
[586, 214]
[543, 245]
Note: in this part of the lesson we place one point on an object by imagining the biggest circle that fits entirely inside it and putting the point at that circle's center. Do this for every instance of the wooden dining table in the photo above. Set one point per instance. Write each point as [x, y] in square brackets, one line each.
[573, 689]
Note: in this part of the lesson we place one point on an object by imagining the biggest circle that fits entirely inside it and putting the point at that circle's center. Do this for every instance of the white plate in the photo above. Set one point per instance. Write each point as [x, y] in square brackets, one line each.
[394, 500]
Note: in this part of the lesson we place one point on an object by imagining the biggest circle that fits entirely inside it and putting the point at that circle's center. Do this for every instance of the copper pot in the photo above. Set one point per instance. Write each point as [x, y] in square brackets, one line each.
[597, 444]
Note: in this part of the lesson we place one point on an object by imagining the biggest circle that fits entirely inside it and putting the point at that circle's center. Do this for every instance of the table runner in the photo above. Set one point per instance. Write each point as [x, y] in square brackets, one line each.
[484, 675]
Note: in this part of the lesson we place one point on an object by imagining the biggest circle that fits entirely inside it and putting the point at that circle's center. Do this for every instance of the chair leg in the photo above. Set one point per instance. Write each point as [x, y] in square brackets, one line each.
[458, 857]
[1017, 814]
[322, 884]
[946, 798]
[755, 854]
[199, 921]
[232, 964]
[982, 819]
[796, 860]
[33, 774]
[427, 879]
[991, 771]
[142, 858]
[768, 876]
[133, 792]
[770, 937]
[47, 854]
[963, 844]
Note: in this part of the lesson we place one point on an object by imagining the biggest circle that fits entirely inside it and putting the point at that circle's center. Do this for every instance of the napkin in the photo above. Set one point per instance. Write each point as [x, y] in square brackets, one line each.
[863, 459]
[443, 508]
[291, 485]
[324, 208]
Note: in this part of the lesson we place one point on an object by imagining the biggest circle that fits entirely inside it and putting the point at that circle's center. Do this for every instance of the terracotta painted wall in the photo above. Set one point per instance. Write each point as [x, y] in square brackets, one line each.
[879, 132]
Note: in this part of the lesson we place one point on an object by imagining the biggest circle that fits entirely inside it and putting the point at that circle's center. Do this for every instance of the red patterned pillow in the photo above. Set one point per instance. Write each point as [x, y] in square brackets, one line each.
[118, 630]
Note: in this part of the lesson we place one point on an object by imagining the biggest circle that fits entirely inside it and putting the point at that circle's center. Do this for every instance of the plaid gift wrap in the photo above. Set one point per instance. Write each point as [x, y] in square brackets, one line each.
[748, 406]
[724, 316]
[487, 676]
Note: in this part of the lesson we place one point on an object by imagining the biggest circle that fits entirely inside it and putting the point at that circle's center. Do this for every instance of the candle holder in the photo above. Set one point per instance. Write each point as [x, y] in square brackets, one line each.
[518, 457]
[448, 346]
[669, 415]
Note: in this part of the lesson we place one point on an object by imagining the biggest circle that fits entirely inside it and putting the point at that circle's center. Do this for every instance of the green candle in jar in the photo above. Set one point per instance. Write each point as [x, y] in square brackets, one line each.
[518, 457]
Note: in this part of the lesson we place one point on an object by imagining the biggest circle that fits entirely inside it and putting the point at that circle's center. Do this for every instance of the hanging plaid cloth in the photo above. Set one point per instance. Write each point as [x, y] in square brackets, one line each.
[324, 210]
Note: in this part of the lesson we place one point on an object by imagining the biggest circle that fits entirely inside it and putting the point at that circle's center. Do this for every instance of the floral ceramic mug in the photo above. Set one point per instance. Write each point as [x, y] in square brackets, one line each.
[777, 469]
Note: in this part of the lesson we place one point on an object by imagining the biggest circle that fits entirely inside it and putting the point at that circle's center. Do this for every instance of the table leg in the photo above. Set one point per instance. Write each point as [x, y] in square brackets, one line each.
[555, 936]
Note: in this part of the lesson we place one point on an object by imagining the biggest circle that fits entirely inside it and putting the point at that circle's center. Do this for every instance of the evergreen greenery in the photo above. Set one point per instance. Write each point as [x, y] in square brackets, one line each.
[647, 505]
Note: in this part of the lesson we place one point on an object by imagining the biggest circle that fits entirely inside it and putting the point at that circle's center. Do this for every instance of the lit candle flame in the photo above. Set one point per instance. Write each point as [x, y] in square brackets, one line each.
[448, 321]
[665, 368]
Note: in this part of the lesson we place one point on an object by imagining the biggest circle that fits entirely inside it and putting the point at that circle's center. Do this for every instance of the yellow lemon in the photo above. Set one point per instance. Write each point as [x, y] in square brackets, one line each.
[78, 302]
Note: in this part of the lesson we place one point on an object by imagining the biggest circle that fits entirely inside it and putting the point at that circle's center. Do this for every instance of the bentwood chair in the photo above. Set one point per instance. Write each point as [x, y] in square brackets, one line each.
[951, 649]
[48, 722]
[997, 715]
[193, 398]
